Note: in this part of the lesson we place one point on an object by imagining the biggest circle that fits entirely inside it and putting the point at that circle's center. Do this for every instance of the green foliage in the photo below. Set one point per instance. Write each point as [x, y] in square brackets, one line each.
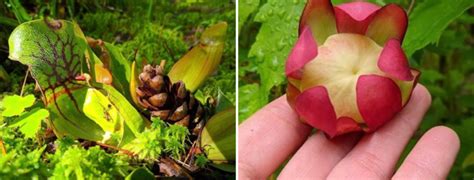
[78, 163]
[4, 75]
[15, 105]
[201, 160]
[20, 12]
[246, 7]
[140, 174]
[469, 161]
[421, 19]
[29, 122]
[155, 43]
[159, 139]
[100, 24]
[268, 53]
[23, 165]
[24, 159]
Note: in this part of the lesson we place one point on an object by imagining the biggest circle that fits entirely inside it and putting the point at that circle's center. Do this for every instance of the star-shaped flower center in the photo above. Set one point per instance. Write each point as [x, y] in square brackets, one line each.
[340, 61]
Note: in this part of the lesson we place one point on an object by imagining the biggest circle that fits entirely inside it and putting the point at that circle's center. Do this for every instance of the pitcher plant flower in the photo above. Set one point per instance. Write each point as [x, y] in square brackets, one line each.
[347, 71]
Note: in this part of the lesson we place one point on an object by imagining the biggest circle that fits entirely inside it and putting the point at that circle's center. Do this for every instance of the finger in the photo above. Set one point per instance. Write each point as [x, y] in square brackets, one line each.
[318, 156]
[432, 157]
[268, 137]
[376, 154]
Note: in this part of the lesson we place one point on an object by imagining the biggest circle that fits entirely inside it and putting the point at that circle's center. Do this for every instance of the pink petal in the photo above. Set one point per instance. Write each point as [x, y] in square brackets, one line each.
[393, 61]
[347, 24]
[319, 15]
[346, 125]
[304, 51]
[358, 10]
[389, 22]
[378, 98]
[315, 107]
[407, 87]
[354, 17]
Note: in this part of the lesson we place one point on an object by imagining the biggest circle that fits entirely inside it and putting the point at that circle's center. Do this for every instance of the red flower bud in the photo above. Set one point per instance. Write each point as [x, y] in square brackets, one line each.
[347, 71]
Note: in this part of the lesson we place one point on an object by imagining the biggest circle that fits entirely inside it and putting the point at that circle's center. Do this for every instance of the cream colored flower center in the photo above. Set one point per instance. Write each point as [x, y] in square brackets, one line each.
[339, 63]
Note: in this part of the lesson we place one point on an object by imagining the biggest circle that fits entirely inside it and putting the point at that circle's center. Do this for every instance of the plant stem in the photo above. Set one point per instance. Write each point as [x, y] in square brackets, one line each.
[410, 8]
[191, 152]
[24, 82]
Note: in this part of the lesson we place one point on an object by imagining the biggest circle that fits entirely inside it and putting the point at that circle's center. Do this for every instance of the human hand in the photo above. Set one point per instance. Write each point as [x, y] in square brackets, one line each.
[274, 133]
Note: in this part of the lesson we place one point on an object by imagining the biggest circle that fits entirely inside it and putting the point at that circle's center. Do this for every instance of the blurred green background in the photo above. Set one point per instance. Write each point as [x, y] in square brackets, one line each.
[439, 42]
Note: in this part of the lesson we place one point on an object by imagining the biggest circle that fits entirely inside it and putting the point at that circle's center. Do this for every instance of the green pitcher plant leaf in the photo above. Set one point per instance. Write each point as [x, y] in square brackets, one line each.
[134, 84]
[62, 64]
[202, 60]
[130, 116]
[120, 68]
[114, 63]
[98, 107]
[140, 173]
[54, 49]
[218, 137]
[223, 102]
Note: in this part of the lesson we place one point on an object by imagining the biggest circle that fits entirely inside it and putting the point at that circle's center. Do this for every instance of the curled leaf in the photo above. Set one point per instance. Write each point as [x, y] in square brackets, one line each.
[134, 85]
[202, 60]
[140, 173]
[102, 74]
[120, 68]
[218, 137]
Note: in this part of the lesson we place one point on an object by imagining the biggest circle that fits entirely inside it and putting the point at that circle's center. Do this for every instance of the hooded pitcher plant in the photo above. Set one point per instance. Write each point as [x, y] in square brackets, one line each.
[76, 86]
[347, 71]
[202, 60]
